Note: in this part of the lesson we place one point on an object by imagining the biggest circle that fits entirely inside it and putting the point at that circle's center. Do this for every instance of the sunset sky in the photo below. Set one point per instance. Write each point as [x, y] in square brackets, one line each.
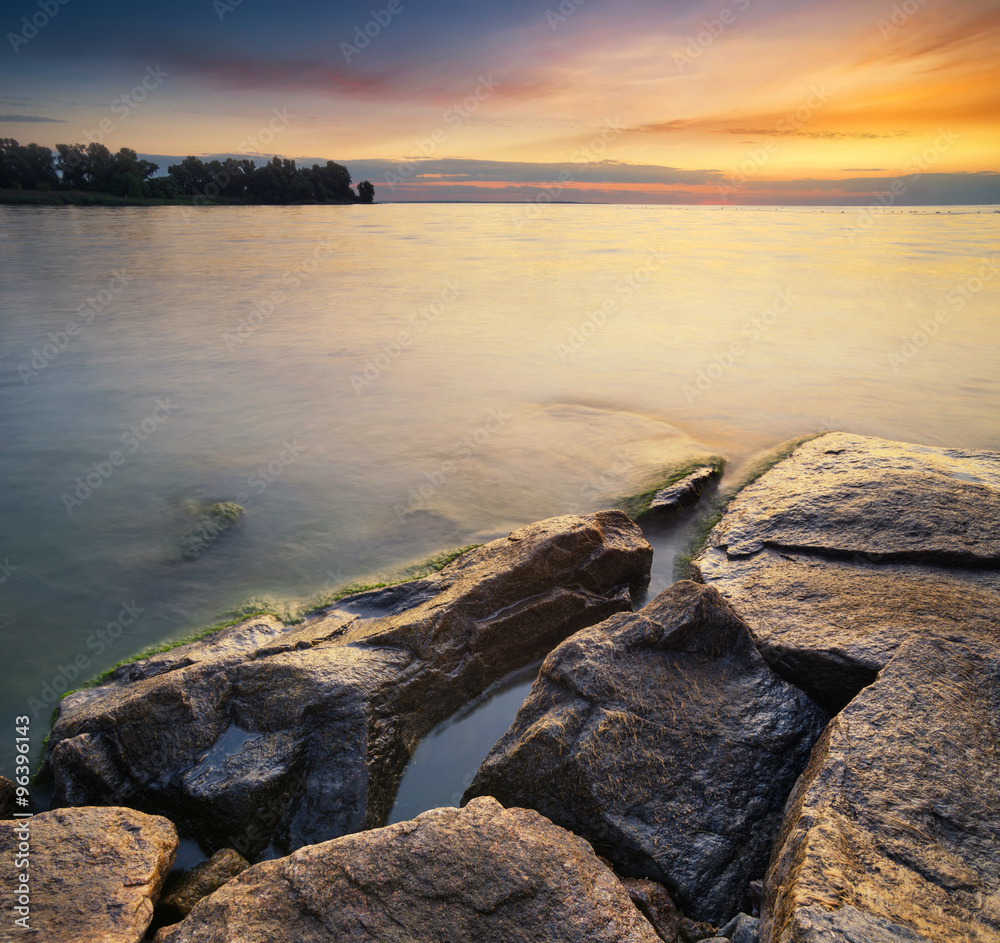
[741, 101]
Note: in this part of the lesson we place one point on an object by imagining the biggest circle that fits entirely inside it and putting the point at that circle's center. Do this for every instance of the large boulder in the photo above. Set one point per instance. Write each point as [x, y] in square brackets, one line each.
[664, 739]
[265, 734]
[893, 833]
[93, 875]
[853, 545]
[448, 876]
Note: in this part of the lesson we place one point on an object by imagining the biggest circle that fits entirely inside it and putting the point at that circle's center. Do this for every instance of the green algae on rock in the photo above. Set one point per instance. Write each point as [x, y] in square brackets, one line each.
[215, 521]
[264, 733]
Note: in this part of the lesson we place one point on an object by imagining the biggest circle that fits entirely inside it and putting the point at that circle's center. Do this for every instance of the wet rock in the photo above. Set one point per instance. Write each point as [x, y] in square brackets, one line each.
[288, 735]
[655, 904]
[741, 929]
[664, 739]
[853, 545]
[7, 796]
[669, 502]
[199, 882]
[448, 876]
[893, 832]
[93, 874]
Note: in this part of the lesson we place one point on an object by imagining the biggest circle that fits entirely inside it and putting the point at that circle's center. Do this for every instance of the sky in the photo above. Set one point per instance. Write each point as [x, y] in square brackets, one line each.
[678, 101]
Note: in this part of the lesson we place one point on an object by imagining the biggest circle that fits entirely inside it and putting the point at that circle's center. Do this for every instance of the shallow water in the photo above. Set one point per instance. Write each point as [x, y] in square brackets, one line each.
[430, 376]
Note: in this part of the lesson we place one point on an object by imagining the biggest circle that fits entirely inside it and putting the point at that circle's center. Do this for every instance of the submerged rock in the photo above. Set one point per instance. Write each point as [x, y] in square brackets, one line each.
[893, 832]
[664, 739]
[199, 882]
[264, 733]
[93, 874]
[448, 876]
[214, 522]
[853, 545]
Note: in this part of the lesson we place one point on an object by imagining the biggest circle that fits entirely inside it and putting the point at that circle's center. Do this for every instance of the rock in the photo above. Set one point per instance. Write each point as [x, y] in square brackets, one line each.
[853, 545]
[199, 882]
[654, 903]
[93, 874]
[741, 929]
[664, 739]
[448, 876]
[7, 796]
[691, 931]
[893, 831]
[215, 521]
[268, 734]
[669, 502]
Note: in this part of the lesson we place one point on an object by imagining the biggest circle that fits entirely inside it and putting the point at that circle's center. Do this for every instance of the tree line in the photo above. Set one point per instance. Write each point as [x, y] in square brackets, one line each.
[94, 168]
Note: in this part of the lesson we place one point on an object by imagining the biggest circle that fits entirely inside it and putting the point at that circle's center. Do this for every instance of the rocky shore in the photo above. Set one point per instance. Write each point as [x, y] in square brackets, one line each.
[800, 745]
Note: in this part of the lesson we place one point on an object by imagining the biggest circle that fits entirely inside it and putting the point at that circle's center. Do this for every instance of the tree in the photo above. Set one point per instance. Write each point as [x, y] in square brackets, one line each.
[26, 166]
[366, 192]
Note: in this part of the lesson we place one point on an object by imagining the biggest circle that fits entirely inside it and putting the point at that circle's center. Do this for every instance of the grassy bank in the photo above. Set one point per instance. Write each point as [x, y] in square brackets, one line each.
[82, 198]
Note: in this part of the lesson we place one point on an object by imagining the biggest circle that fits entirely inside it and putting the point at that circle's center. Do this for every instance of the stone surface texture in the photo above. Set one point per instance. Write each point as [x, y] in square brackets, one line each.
[853, 545]
[664, 739]
[199, 882]
[481, 873]
[893, 832]
[94, 874]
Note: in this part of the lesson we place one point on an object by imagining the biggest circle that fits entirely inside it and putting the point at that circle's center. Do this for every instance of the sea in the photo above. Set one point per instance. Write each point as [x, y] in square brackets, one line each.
[376, 385]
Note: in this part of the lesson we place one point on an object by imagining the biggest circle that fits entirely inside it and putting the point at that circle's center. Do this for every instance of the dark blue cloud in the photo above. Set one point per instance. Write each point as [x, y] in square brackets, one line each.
[31, 119]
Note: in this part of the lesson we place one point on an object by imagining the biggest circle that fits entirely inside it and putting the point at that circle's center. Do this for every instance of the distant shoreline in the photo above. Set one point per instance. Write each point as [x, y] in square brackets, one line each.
[90, 198]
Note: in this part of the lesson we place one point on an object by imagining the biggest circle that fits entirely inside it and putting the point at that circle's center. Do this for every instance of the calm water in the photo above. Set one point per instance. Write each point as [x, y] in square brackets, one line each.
[375, 384]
